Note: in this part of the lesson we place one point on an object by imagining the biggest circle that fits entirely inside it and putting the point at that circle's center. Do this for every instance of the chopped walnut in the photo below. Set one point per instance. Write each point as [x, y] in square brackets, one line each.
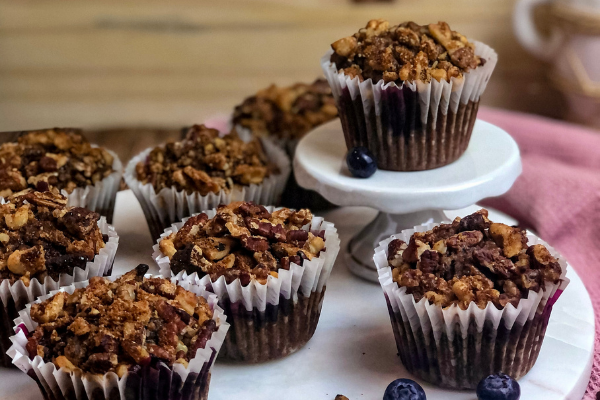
[471, 260]
[205, 163]
[41, 236]
[99, 333]
[52, 158]
[289, 112]
[250, 243]
[405, 52]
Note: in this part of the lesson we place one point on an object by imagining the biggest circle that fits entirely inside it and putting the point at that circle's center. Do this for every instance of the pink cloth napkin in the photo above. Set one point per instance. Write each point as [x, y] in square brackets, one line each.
[558, 196]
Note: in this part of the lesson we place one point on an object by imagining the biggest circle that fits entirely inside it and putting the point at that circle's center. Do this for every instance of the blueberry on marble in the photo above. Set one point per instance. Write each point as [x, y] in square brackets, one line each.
[361, 162]
[404, 389]
[498, 387]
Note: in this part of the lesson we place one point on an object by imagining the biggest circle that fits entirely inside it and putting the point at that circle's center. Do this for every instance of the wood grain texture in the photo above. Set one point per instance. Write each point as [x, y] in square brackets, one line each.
[108, 63]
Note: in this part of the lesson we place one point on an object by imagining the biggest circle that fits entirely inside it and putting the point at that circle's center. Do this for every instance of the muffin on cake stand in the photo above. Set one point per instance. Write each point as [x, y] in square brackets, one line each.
[488, 168]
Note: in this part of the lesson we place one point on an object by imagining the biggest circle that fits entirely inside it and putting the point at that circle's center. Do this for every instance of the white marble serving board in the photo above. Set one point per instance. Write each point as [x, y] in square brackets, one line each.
[353, 351]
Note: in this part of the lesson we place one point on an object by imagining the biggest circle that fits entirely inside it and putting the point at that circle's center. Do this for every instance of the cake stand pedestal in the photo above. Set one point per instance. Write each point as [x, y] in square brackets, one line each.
[489, 167]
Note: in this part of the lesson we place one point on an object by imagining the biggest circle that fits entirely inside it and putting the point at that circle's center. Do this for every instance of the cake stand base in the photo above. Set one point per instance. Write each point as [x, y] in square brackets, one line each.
[359, 254]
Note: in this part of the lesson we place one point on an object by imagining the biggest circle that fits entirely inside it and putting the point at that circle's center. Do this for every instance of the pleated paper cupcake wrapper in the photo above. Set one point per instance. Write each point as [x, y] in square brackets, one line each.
[101, 196]
[293, 195]
[169, 205]
[415, 126]
[456, 348]
[14, 297]
[297, 292]
[150, 382]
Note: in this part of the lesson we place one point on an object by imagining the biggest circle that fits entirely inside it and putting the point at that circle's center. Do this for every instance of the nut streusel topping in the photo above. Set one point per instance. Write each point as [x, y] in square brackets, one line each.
[242, 241]
[471, 260]
[287, 112]
[122, 325]
[60, 158]
[405, 52]
[40, 236]
[204, 162]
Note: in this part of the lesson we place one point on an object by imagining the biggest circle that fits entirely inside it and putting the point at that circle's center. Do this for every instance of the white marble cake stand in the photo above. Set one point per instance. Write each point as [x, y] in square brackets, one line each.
[353, 350]
[488, 168]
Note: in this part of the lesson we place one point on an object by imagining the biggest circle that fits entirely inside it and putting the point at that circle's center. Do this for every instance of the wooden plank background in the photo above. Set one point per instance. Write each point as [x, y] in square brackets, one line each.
[106, 64]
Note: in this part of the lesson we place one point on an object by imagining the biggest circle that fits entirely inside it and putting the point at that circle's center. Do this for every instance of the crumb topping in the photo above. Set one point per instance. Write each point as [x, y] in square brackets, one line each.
[53, 158]
[122, 325]
[405, 52]
[287, 112]
[206, 163]
[472, 260]
[40, 236]
[243, 241]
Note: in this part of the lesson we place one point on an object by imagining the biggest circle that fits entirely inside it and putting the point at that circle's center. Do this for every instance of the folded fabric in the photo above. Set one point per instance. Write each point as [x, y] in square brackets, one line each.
[558, 196]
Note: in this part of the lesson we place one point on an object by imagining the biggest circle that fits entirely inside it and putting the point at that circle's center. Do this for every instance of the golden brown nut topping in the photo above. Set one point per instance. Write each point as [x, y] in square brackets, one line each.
[206, 163]
[60, 158]
[242, 241]
[471, 260]
[287, 112]
[405, 52]
[40, 236]
[114, 326]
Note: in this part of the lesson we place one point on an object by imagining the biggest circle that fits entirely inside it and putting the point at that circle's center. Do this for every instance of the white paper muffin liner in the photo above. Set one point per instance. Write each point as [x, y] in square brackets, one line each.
[289, 305]
[169, 205]
[173, 383]
[446, 346]
[14, 297]
[101, 196]
[414, 126]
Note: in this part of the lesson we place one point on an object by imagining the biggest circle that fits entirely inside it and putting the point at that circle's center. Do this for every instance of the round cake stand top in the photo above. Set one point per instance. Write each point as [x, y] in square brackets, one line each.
[488, 168]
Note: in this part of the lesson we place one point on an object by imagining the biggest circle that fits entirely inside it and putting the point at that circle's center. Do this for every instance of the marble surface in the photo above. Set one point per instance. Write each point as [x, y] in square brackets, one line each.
[488, 168]
[353, 350]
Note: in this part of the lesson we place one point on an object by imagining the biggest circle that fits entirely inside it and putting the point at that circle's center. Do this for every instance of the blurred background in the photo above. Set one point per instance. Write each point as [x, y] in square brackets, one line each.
[152, 67]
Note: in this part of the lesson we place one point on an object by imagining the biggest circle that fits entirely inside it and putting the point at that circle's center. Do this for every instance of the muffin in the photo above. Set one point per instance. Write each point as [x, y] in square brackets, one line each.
[286, 114]
[409, 93]
[204, 170]
[131, 337]
[268, 266]
[469, 298]
[87, 175]
[44, 244]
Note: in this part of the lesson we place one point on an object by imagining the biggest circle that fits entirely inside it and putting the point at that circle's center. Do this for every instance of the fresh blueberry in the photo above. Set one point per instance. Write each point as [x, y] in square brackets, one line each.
[498, 387]
[404, 389]
[361, 162]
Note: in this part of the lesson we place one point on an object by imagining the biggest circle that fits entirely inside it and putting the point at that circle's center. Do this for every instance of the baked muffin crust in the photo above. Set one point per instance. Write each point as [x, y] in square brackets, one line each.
[471, 260]
[122, 325]
[287, 112]
[405, 52]
[206, 163]
[59, 158]
[40, 236]
[243, 240]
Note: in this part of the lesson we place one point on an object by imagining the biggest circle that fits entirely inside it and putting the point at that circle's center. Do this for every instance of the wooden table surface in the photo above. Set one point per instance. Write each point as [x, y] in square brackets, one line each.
[113, 64]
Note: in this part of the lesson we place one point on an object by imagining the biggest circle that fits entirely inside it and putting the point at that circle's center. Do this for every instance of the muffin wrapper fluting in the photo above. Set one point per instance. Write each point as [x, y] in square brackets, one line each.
[455, 348]
[275, 319]
[169, 205]
[413, 127]
[101, 196]
[14, 297]
[150, 382]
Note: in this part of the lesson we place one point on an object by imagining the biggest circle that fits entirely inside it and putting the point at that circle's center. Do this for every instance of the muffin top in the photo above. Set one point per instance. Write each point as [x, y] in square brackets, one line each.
[204, 162]
[472, 260]
[122, 325]
[243, 240]
[60, 158]
[40, 236]
[405, 52]
[287, 112]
